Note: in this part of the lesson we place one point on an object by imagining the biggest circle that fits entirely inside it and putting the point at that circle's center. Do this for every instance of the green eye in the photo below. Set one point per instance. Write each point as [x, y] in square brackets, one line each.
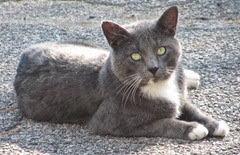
[136, 56]
[161, 51]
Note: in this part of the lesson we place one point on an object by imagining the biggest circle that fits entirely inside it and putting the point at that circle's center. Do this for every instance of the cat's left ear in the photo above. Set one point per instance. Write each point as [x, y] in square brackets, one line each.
[167, 23]
[114, 33]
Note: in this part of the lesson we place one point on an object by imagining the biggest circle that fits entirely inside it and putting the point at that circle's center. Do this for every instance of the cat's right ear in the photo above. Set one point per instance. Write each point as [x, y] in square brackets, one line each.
[114, 33]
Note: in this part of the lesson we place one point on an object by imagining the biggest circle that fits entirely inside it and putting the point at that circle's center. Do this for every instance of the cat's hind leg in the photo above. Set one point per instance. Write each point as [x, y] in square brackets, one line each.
[192, 79]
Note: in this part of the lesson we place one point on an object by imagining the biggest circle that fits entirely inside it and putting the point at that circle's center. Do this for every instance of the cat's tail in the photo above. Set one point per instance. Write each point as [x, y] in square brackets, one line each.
[192, 79]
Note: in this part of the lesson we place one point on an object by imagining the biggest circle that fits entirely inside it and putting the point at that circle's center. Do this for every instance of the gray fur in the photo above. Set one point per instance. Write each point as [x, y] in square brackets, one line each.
[53, 84]
[50, 81]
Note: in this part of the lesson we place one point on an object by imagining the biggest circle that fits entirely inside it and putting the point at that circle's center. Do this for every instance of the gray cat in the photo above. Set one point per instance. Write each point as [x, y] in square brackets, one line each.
[138, 89]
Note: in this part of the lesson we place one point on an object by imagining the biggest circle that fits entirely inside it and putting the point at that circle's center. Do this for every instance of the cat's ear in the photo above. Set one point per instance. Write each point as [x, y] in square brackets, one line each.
[167, 23]
[114, 33]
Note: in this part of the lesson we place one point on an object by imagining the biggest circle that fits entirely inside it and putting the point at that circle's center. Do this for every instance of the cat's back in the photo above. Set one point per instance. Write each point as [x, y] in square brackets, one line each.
[50, 56]
[56, 76]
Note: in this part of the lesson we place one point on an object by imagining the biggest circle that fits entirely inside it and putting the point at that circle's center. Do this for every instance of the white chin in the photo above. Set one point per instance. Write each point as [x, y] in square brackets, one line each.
[151, 81]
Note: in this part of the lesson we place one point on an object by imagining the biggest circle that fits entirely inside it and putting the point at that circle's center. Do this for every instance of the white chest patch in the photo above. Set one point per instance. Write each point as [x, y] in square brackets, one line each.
[167, 90]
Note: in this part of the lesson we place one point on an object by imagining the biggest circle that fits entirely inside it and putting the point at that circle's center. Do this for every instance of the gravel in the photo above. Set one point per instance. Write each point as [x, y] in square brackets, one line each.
[210, 36]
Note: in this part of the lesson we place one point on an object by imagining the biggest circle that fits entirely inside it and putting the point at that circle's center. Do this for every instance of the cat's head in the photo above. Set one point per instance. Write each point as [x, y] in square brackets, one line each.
[144, 51]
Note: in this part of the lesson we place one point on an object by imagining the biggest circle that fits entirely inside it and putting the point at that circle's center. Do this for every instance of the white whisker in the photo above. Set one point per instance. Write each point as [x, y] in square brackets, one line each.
[125, 82]
[129, 87]
[125, 85]
[135, 90]
[128, 90]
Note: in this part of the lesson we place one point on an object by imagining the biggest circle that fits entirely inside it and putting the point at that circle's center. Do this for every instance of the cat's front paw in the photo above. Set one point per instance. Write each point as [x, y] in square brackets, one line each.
[222, 129]
[199, 132]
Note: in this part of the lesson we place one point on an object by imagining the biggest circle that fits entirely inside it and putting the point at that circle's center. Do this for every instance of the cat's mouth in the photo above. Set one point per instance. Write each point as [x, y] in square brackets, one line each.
[155, 79]
[148, 81]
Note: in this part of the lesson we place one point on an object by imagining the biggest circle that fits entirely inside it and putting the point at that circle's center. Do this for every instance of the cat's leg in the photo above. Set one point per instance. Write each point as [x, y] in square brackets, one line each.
[111, 119]
[192, 78]
[215, 128]
[172, 128]
[168, 127]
